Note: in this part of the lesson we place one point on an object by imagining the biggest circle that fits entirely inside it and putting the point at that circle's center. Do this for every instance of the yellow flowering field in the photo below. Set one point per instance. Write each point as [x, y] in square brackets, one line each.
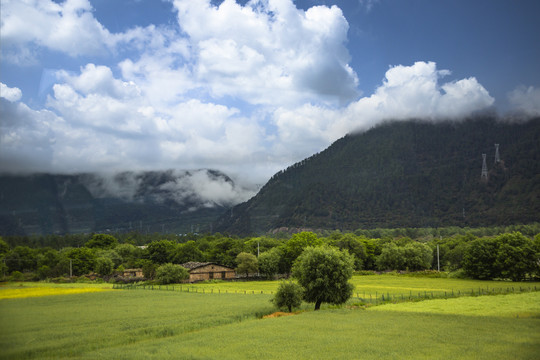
[24, 292]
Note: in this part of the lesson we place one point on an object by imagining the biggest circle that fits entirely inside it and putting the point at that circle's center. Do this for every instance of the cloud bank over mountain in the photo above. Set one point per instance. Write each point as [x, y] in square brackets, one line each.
[256, 88]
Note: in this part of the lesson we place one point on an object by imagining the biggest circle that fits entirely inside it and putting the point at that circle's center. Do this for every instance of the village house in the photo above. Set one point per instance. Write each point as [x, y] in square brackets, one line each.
[200, 271]
[133, 273]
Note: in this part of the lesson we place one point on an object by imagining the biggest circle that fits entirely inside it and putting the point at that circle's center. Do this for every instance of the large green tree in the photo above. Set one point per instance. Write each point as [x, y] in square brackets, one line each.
[103, 266]
[102, 241]
[269, 262]
[171, 273]
[516, 256]
[246, 263]
[324, 273]
[296, 245]
[188, 252]
[162, 251]
[480, 259]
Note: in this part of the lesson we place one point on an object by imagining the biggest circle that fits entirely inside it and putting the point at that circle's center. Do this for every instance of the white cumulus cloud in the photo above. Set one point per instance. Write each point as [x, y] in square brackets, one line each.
[69, 27]
[526, 100]
[407, 92]
[253, 89]
[10, 94]
[269, 51]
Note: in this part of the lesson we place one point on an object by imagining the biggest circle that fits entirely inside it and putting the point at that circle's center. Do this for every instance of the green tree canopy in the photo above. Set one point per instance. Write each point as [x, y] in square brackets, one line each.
[82, 260]
[516, 256]
[102, 241]
[296, 244]
[104, 266]
[324, 273]
[391, 258]
[289, 294]
[354, 246]
[162, 251]
[246, 263]
[479, 261]
[171, 273]
[21, 258]
[188, 252]
[4, 247]
[417, 256]
[269, 262]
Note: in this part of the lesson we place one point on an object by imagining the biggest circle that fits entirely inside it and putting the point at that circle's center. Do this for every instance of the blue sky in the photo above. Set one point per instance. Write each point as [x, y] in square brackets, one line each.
[247, 87]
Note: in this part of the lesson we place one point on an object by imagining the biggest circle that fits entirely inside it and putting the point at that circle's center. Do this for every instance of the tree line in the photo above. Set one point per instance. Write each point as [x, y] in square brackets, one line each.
[510, 255]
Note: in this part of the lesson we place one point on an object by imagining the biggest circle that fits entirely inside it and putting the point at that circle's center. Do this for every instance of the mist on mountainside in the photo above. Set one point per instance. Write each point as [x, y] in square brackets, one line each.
[157, 201]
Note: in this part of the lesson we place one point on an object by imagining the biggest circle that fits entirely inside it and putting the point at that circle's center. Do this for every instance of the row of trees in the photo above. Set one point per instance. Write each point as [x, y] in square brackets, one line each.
[510, 255]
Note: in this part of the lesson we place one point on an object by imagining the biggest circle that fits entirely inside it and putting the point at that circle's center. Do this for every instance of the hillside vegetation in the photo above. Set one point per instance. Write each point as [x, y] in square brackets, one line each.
[405, 174]
[147, 202]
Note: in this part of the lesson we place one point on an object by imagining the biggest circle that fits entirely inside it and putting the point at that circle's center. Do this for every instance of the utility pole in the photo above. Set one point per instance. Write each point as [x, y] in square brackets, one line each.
[438, 263]
[70, 268]
[484, 175]
[497, 157]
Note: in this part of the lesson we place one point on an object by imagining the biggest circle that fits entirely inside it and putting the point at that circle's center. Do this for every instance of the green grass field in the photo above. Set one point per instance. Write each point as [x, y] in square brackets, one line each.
[374, 289]
[141, 324]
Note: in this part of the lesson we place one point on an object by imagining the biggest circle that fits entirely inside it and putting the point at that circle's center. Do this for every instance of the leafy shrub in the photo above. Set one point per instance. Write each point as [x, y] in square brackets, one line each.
[44, 272]
[289, 294]
[148, 268]
[365, 272]
[17, 276]
[104, 266]
[171, 273]
[428, 274]
[458, 274]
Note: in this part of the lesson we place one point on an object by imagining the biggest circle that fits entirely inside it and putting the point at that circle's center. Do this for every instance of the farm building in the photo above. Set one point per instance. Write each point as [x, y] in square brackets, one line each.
[200, 271]
[131, 273]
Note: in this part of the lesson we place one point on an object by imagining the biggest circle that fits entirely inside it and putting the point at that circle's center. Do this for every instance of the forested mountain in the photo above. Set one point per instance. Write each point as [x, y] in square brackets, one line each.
[405, 174]
[160, 201]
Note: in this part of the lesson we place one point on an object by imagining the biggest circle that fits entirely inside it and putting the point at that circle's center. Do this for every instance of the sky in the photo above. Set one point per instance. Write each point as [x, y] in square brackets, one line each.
[247, 87]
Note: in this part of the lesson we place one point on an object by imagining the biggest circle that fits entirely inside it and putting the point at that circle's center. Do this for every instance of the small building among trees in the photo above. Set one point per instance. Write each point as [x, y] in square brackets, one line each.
[200, 271]
[133, 273]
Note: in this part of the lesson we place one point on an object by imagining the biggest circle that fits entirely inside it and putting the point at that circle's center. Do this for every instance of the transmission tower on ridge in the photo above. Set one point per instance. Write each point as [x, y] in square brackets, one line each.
[484, 175]
[497, 157]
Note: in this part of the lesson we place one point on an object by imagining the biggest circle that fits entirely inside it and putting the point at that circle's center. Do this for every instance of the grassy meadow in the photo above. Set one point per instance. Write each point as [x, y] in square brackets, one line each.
[372, 287]
[138, 324]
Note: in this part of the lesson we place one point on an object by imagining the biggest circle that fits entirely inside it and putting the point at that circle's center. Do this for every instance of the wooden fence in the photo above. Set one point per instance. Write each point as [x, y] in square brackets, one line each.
[369, 298]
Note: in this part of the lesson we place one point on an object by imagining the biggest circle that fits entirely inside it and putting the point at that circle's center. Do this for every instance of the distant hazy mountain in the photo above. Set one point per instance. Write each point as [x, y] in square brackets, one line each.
[164, 201]
[405, 174]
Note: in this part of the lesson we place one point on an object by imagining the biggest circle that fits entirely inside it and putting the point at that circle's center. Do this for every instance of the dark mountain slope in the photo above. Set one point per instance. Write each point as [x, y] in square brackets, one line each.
[158, 201]
[405, 174]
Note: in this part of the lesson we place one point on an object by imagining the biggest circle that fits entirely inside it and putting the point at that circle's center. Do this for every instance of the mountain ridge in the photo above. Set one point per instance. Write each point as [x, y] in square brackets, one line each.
[404, 174]
[145, 201]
